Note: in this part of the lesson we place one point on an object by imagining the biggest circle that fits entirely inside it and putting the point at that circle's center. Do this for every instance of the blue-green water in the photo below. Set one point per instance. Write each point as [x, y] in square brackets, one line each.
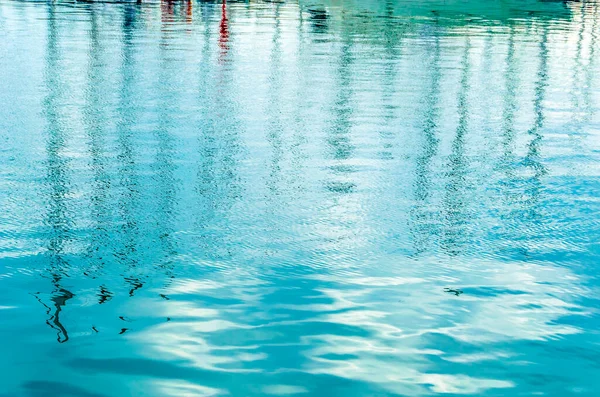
[319, 198]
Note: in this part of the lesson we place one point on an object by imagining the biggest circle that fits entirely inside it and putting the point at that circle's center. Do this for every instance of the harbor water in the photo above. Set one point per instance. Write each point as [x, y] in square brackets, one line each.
[304, 197]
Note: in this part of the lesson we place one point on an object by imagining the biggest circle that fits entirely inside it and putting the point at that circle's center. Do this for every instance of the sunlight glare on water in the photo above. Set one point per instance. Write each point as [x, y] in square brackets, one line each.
[306, 197]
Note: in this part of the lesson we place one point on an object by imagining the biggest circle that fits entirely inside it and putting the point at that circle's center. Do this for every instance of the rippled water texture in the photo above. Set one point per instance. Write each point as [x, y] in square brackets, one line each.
[320, 198]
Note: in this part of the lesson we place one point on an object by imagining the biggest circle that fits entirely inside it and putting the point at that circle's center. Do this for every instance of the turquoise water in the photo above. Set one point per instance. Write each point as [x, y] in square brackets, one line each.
[318, 198]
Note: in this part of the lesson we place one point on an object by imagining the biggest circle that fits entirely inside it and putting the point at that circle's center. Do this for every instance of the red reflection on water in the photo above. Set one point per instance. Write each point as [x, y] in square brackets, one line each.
[189, 8]
[167, 11]
[172, 10]
[224, 32]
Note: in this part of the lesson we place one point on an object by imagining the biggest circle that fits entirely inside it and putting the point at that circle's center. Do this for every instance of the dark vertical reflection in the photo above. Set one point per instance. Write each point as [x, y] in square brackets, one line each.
[59, 299]
[300, 119]
[588, 105]
[206, 181]
[423, 222]
[224, 113]
[163, 167]
[128, 200]
[93, 119]
[167, 188]
[207, 10]
[58, 218]
[456, 195]
[319, 20]
[510, 105]
[339, 142]
[509, 113]
[274, 122]
[218, 182]
[485, 105]
[533, 159]
[578, 69]
[392, 36]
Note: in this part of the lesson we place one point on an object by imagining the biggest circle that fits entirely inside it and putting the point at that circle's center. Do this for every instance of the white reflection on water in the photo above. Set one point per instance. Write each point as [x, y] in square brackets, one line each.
[387, 329]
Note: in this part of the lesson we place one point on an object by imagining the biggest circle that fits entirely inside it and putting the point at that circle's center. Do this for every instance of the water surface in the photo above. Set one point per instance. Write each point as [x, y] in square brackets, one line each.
[320, 198]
